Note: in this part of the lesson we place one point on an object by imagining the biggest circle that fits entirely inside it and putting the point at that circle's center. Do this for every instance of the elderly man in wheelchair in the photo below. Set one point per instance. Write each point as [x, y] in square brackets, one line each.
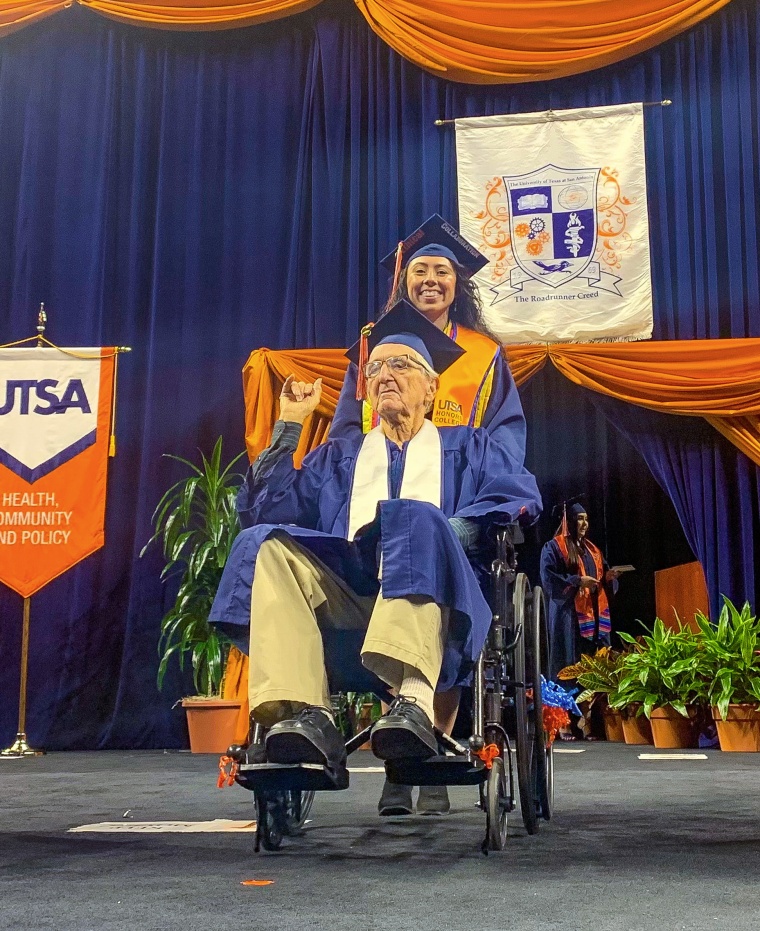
[356, 567]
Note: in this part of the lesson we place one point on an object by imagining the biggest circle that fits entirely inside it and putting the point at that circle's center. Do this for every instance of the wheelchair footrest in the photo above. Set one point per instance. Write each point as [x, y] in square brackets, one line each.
[298, 777]
[436, 771]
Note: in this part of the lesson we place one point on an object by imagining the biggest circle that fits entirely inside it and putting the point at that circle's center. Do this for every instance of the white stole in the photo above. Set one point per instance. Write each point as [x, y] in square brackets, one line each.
[422, 479]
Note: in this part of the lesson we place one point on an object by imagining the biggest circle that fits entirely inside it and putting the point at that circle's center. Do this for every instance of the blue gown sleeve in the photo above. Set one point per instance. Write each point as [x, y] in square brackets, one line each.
[494, 489]
[275, 492]
[347, 420]
[556, 579]
[504, 418]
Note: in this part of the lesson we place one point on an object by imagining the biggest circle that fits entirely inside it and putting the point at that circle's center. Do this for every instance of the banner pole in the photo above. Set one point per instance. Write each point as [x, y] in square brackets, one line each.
[21, 747]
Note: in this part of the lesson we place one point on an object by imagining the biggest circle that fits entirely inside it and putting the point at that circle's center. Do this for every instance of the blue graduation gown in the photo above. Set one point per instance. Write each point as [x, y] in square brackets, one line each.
[503, 418]
[421, 554]
[561, 586]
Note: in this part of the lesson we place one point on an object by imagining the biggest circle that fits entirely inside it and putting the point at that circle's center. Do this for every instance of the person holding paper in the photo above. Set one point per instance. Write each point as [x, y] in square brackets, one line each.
[578, 584]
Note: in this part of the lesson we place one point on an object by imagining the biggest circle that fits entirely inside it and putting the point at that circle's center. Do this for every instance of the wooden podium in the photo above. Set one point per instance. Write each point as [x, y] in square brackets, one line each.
[681, 590]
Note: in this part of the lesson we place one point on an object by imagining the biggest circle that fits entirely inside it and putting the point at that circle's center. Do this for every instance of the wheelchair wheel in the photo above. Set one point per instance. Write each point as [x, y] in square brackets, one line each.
[525, 730]
[496, 805]
[538, 653]
[271, 816]
[297, 809]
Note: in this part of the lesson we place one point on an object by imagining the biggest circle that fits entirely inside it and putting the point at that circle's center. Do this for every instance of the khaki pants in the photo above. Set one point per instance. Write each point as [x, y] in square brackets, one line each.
[293, 595]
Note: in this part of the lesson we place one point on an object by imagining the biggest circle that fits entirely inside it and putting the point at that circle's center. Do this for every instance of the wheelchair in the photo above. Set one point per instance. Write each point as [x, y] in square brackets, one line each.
[506, 756]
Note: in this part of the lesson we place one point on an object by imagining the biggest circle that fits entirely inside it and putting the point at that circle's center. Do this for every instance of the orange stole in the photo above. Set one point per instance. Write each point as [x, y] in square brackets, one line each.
[465, 387]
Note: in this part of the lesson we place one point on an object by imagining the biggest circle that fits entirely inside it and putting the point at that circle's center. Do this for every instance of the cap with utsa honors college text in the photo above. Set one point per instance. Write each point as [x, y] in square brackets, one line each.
[438, 237]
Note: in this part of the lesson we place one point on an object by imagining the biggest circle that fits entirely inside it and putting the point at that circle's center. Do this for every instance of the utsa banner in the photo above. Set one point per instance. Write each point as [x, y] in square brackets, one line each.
[557, 201]
[55, 419]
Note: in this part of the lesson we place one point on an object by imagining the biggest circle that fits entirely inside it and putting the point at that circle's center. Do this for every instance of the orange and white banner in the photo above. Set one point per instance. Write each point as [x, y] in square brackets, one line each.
[558, 202]
[55, 420]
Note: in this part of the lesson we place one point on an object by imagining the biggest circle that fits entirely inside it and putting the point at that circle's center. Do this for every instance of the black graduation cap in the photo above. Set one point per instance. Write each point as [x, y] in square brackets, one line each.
[570, 507]
[410, 328]
[436, 236]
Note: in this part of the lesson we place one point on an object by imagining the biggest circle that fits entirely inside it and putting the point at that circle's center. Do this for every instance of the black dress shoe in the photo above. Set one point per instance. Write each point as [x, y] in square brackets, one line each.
[311, 737]
[405, 733]
[433, 800]
[395, 800]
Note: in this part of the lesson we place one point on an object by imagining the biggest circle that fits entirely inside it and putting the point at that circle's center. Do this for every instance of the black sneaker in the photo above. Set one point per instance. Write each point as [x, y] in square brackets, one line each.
[395, 800]
[404, 733]
[310, 737]
[433, 800]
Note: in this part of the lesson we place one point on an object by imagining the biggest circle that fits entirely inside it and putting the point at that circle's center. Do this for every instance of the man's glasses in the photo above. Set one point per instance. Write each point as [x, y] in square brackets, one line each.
[394, 363]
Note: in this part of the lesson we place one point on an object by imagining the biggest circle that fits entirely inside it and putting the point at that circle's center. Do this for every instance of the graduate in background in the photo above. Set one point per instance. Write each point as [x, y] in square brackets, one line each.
[578, 583]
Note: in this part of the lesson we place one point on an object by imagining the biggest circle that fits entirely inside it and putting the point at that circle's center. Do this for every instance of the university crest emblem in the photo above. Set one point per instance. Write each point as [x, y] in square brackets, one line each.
[553, 223]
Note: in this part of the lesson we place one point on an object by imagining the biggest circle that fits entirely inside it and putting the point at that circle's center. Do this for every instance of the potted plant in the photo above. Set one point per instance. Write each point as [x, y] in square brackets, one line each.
[196, 522]
[660, 681]
[728, 664]
[354, 711]
[598, 674]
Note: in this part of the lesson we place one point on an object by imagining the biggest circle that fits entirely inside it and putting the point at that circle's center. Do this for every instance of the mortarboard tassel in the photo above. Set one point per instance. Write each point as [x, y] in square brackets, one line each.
[396, 278]
[564, 531]
[361, 381]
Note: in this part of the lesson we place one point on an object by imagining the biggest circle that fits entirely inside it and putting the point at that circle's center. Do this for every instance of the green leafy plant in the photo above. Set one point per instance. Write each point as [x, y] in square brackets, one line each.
[348, 708]
[597, 674]
[660, 670]
[728, 660]
[196, 522]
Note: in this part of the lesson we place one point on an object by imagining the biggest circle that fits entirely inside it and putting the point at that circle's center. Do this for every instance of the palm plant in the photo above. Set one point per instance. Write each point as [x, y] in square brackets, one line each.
[196, 522]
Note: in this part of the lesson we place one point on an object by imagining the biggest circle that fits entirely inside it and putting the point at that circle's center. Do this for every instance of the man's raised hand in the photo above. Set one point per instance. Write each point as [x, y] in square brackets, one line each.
[298, 399]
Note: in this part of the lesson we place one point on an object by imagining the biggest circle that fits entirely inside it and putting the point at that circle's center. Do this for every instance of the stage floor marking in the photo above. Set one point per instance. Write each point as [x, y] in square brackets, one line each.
[672, 756]
[216, 826]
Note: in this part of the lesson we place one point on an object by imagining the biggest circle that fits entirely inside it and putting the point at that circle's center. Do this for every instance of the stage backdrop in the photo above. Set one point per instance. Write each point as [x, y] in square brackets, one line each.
[197, 196]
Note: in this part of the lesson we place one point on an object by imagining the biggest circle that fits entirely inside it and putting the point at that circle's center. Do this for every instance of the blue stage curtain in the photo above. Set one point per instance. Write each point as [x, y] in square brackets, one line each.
[715, 490]
[198, 195]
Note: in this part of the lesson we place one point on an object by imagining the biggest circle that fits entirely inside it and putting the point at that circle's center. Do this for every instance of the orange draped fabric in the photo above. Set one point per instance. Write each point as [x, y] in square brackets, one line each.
[15, 14]
[473, 41]
[718, 379]
[513, 41]
[198, 14]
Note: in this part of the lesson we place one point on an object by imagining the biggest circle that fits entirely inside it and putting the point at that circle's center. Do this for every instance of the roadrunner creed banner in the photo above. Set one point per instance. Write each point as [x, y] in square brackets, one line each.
[55, 418]
[557, 201]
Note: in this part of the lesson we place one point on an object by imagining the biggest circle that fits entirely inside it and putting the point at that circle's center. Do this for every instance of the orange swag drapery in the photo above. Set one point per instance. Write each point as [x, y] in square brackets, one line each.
[472, 41]
[718, 379]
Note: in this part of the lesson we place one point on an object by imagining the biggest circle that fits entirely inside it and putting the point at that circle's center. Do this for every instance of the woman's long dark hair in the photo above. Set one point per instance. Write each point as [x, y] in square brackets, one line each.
[574, 561]
[466, 308]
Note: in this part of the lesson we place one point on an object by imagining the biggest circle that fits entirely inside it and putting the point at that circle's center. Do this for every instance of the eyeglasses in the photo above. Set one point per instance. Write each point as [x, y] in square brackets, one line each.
[394, 363]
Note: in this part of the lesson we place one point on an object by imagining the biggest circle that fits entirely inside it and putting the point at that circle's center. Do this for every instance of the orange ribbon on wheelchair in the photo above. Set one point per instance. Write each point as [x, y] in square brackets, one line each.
[228, 769]
[488, 754]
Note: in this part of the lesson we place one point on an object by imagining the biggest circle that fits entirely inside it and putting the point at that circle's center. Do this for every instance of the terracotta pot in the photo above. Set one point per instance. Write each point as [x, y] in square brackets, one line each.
[671, 730]
[740, 732]
[636, 729]
[212, 723]
[613, 726]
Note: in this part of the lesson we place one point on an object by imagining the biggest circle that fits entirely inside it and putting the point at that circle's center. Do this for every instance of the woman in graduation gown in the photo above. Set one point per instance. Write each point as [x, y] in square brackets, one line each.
[578, 583]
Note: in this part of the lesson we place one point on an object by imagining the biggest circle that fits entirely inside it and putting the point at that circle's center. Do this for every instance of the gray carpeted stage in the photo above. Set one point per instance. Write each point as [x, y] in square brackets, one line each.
[633, 845]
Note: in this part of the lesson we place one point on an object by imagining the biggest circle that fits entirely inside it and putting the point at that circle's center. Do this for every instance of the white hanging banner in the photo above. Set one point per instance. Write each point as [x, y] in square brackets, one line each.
[557, 201]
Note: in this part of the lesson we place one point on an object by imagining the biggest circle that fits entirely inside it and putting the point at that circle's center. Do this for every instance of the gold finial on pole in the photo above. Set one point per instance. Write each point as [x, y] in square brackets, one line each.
[41, 324]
